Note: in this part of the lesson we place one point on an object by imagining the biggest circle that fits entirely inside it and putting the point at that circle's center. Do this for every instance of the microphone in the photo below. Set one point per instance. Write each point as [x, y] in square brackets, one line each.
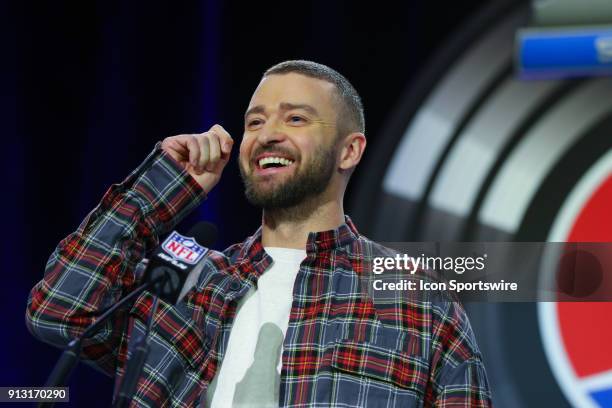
[164, 273]
[172, 261]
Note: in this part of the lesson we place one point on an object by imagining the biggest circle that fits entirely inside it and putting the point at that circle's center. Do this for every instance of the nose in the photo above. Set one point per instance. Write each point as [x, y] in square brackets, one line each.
[271, 133]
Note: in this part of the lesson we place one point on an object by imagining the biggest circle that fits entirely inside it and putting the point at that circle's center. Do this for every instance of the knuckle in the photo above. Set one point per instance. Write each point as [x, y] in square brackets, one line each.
[220, 130]
[203, 138]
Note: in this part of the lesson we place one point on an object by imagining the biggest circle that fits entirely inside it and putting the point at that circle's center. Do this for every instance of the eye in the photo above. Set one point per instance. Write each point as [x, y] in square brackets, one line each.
[295, 119]
[254, 123]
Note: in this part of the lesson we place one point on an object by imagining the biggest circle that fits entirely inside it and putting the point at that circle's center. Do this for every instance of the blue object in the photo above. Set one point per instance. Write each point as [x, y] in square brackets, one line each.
[603, 398]
[568, 52]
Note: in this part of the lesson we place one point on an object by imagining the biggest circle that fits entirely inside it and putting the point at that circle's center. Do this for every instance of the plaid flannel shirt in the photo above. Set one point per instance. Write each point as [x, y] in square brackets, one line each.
[340, 349]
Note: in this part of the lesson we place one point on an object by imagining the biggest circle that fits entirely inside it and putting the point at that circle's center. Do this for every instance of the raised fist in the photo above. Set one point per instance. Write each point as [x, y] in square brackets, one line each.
[203, 155]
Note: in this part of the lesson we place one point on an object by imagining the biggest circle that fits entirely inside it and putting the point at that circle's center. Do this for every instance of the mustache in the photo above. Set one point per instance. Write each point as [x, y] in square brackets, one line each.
[274, 150]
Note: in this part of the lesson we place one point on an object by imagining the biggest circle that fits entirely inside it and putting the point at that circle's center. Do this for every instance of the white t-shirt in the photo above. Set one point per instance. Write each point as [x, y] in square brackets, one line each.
[250, 371]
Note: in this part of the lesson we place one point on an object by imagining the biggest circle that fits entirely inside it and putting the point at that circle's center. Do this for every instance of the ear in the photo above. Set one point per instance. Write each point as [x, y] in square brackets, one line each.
[352, 149]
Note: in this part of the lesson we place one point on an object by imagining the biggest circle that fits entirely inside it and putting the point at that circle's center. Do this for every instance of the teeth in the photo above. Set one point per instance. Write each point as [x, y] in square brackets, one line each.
[274, 160]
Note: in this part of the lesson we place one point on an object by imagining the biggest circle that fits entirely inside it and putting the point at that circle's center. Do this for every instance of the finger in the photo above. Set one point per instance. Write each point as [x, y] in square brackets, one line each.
[174, 148]
[194, 150]
[215, 150]
[204, 152]
[225, 139]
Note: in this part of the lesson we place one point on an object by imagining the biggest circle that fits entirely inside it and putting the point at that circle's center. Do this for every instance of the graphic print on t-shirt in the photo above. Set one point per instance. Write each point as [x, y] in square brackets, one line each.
[259, 386]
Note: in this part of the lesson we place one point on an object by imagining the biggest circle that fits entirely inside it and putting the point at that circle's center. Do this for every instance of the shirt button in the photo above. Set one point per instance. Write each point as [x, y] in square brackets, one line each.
[235, 285]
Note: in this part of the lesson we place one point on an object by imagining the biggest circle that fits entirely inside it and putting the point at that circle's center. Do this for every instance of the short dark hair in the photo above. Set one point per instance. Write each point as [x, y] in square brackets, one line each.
[350, 115]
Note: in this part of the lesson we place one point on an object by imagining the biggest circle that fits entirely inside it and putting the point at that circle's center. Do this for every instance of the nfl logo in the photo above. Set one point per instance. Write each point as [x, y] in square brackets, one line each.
[184, 249]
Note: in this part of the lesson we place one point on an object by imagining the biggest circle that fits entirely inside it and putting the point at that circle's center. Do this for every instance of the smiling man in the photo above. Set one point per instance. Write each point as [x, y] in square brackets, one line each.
[283, 318]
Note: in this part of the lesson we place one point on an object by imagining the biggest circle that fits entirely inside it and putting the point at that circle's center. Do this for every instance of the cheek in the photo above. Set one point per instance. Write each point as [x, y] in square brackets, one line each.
[245, 150]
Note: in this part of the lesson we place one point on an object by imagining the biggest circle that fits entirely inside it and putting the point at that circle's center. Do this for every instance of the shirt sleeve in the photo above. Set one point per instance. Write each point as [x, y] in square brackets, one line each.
[458, 377]
[94, 266]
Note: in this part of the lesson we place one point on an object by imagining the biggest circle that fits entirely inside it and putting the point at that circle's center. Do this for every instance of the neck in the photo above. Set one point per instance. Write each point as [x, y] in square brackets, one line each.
[289, 227]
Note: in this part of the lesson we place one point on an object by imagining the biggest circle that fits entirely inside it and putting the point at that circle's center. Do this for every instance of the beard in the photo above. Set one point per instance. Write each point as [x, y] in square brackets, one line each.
[298, 188]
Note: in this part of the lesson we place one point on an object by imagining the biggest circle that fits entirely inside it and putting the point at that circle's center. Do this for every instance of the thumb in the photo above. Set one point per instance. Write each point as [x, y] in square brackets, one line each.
[226, 149]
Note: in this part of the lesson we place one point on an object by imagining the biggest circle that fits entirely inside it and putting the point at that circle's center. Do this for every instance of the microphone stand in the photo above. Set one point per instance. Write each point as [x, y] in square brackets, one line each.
[70, 357]
[134, 365]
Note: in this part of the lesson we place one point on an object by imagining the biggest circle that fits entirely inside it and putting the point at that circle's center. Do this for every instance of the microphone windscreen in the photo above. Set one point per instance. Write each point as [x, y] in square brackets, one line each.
[205, 233]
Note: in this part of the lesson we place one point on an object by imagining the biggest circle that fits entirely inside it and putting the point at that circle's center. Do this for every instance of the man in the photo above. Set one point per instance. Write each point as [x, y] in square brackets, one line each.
[282, 318]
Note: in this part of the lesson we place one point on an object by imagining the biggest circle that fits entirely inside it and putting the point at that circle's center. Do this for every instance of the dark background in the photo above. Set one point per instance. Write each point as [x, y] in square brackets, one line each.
[89, 87]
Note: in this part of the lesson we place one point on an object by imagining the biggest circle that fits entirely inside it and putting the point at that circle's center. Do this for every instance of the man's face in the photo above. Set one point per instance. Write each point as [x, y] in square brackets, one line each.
[288, 151]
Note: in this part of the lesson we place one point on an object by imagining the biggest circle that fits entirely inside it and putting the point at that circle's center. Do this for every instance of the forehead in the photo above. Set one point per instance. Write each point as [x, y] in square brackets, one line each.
[295, 89]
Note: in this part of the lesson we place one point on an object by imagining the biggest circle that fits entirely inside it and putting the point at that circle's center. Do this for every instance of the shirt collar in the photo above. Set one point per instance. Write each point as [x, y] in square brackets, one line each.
[317, 241]
[332, 239]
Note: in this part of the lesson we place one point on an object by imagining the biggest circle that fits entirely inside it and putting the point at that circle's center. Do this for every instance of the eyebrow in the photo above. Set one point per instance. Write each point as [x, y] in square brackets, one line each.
[255, 109]
[284, 106]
